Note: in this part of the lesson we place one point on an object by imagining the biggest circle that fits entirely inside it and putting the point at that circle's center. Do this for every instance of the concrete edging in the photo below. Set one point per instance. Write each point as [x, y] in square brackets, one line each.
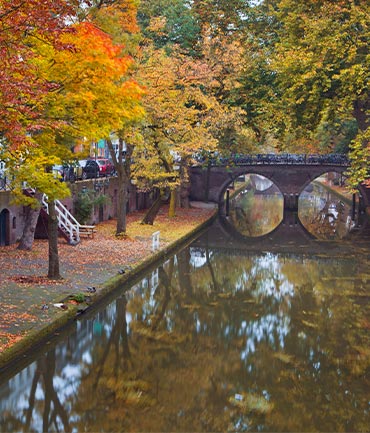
[42, 333]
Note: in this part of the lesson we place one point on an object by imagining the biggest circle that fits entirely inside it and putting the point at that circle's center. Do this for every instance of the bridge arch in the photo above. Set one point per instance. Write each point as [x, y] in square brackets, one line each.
[290, 173]
[289, 229]
[289, 183]
[339, 170]
[233, 177]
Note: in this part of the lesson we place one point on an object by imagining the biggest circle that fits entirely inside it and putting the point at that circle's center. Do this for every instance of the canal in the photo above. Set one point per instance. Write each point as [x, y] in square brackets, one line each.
[216, 338]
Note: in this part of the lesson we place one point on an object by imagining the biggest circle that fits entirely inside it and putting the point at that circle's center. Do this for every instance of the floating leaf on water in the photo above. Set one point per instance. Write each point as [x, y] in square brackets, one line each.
[284, 357]
[310, 313]
[214, 304]
[162, 336]
[309, 324]
[191, 307]
[224, 295]
[251, 403]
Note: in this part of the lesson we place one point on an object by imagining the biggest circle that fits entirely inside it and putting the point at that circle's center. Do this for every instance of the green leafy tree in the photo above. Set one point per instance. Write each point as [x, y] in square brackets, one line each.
[315, 70]
[169, 22]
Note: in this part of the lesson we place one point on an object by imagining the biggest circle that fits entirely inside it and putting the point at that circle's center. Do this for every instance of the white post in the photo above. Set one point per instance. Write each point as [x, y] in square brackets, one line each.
[155, 241]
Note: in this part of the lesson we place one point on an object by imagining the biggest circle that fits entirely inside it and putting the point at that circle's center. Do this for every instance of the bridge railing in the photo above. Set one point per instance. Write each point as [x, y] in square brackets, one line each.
[280, 158]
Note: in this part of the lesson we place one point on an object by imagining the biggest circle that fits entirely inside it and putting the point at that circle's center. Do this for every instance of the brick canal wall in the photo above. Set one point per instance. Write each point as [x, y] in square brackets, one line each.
[12, 217]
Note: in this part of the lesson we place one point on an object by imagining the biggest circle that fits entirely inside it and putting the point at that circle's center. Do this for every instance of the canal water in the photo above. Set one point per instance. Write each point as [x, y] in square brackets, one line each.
[216, 338]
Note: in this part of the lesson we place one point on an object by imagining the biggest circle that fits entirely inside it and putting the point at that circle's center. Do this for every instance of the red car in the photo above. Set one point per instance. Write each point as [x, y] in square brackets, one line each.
[106, 168]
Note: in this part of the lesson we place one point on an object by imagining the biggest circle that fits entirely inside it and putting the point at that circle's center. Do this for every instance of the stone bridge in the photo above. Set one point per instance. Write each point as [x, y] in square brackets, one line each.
[289, 238]
[290, 173]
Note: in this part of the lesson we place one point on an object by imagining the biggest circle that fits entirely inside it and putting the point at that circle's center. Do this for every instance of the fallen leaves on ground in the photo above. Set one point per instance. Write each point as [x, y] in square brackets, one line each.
[33, 279]
[25, 287]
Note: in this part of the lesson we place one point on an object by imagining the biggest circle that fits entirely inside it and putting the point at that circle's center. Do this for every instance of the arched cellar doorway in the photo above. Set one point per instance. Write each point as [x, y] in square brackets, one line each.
[4, 227]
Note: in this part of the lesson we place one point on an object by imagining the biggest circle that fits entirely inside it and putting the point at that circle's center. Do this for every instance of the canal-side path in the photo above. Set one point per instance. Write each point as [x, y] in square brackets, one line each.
[32, 306]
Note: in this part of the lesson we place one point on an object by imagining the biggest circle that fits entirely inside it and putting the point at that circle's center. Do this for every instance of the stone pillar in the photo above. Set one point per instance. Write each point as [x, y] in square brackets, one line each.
[291, 202]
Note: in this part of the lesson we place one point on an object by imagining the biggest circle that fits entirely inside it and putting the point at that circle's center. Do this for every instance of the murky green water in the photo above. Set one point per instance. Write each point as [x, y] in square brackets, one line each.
[219, 338]
[212, 340]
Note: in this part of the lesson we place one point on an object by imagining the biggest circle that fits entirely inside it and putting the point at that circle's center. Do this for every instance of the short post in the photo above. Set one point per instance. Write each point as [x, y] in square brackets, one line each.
[155, 241]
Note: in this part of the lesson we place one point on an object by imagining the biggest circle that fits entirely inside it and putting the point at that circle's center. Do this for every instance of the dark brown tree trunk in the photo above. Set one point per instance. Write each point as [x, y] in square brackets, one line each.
[53, 272]
[122, 198]
[28, 235]
[152, 212]
[184, 187]
[122, 164]
[360, 112]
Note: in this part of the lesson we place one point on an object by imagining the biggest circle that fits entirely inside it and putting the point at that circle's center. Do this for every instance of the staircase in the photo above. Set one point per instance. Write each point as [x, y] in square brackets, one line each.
[68, 226]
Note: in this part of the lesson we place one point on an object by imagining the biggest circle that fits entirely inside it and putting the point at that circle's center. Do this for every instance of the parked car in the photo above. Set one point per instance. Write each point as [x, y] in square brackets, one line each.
[106, 167]
[90, 169]
[68, 172]
[58, 172]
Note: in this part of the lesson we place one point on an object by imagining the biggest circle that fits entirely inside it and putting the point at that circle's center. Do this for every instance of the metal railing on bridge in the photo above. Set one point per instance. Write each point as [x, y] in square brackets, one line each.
[276, 159]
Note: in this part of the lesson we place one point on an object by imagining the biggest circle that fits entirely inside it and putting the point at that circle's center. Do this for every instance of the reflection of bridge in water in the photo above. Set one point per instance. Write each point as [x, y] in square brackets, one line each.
[289, 237]
[290, 173]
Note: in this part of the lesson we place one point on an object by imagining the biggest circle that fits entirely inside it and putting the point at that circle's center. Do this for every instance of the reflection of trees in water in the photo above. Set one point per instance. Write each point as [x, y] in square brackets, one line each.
[290, 333]
[324, 214]
[54, 414]
[256, 214]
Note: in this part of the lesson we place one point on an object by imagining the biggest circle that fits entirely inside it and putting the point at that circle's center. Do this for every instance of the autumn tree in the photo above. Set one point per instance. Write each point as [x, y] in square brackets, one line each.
[178, 121]
[178, 24]
[190, 107]
[23, 92]
[21, 88]
[309, 72]
[117, 19]
[91, 96]
[98, 95]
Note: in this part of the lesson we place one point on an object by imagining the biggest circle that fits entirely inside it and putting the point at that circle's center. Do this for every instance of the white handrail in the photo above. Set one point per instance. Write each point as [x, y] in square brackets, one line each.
[66, 221]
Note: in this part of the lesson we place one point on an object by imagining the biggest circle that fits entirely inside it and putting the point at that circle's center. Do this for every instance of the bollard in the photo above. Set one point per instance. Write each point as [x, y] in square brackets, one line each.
[155, 241]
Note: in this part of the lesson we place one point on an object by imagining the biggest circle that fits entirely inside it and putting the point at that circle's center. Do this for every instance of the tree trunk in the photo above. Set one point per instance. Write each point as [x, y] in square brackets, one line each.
[360, 113]
[172, 207]
[122, 197]
[53, 272]
[184, 187]
[28, 235]
[152, 212]
[122, 164]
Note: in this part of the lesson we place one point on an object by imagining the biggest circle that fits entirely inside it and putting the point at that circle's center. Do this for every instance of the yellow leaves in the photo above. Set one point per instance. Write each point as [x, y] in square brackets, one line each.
[157, 25]
[250, 402]
[32, 167]
[96, 96]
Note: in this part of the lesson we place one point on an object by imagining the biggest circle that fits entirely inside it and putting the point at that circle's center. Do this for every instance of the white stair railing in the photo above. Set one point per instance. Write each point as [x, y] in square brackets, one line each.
[66, 221]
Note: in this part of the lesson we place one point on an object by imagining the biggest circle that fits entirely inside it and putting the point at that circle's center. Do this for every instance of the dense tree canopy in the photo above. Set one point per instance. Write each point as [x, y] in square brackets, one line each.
[276, 75]
[22, 24]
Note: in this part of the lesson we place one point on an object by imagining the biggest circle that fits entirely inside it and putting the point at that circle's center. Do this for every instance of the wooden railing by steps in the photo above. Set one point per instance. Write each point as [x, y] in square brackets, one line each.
[68, 226]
